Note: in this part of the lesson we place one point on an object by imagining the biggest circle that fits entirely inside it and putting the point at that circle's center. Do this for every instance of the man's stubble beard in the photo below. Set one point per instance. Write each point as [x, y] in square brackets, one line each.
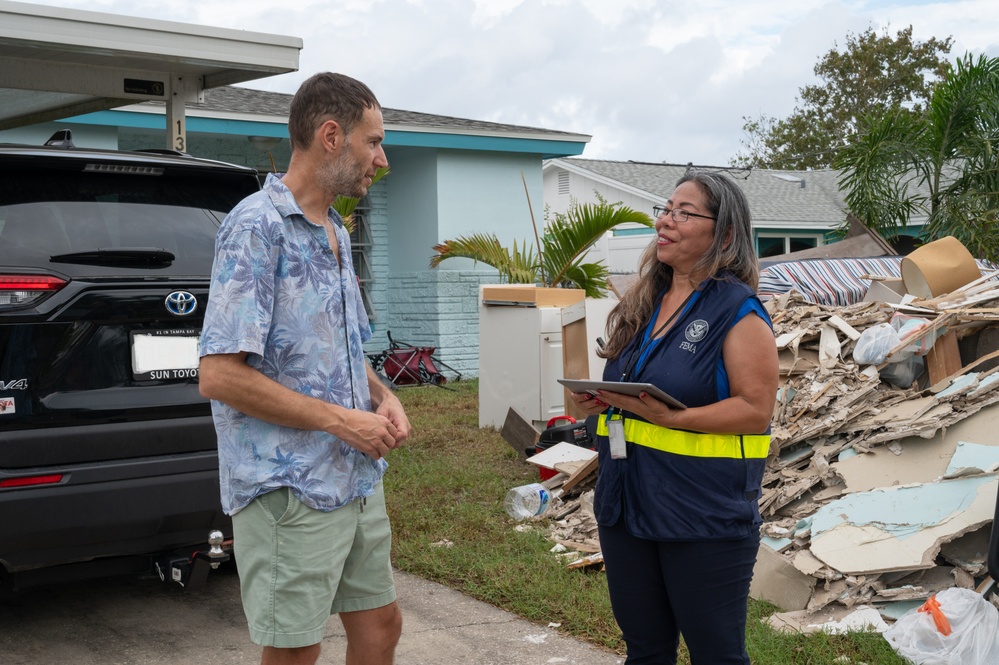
[344, 176]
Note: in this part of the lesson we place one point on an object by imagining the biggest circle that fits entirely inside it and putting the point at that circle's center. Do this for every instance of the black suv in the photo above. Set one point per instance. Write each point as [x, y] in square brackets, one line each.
[108, 460]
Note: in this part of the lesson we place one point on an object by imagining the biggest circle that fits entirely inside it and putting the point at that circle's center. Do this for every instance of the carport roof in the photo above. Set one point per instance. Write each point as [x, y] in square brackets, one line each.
[57, 62]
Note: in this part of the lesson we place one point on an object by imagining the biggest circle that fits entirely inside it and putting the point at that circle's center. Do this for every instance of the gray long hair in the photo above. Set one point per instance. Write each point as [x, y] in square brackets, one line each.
[731, 250]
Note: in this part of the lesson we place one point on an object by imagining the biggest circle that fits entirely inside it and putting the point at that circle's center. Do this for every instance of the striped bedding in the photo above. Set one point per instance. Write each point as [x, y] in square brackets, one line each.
[827, 281]
[831, 281]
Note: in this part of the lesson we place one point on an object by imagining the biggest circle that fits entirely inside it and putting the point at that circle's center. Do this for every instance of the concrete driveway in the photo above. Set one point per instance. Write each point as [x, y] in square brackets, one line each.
[126, 621]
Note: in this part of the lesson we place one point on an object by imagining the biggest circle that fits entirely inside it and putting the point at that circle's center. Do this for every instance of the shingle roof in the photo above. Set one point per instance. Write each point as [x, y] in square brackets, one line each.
[774, 196]
[232, 99]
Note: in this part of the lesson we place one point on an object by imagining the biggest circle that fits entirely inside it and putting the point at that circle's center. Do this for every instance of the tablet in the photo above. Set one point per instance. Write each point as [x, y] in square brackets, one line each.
[623, 387]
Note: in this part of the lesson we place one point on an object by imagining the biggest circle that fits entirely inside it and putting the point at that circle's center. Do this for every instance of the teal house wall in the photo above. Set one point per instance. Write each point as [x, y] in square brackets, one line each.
[440, 195]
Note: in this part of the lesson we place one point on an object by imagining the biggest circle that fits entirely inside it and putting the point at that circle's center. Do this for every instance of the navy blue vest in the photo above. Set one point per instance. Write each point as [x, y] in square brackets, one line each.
[667, 496]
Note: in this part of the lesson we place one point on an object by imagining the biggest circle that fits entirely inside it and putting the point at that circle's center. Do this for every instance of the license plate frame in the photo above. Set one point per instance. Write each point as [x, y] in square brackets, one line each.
[158, 355]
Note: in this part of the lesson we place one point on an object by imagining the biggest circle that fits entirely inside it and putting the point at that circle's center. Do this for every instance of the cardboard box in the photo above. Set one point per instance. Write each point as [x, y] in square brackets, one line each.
[528, 295]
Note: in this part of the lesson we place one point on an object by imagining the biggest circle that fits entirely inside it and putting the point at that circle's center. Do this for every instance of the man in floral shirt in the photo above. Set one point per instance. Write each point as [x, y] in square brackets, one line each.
[303, 423]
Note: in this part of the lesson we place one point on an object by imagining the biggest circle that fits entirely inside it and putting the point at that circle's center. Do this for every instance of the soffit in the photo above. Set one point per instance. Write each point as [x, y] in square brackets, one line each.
[57, 62]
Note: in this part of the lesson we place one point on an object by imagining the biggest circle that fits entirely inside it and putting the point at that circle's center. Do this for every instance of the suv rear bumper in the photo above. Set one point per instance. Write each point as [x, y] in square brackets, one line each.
[108, 509]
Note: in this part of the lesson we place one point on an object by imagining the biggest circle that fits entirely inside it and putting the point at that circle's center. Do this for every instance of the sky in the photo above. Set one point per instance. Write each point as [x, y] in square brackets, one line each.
[648, 80]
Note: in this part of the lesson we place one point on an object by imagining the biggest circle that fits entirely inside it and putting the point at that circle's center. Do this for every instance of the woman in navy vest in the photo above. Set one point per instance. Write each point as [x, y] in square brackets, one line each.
[678, 489]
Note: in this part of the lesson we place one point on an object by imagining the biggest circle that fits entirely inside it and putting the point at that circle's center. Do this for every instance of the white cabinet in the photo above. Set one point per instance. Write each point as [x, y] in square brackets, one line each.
[520, 358]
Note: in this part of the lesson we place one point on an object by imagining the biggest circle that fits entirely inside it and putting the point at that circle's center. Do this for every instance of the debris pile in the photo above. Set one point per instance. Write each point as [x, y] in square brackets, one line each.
[571, 524]
[880, 488]
[878, 494]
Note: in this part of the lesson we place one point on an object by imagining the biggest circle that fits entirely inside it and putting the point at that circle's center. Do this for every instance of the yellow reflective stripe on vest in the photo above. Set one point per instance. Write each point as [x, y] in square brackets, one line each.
[691, 444]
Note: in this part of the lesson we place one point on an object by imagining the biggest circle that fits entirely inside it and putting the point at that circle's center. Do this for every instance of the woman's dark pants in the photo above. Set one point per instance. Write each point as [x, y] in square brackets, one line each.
[660, 590]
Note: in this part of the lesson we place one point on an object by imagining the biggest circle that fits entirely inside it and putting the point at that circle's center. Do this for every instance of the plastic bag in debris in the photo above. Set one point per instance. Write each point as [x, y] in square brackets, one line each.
[954, 627]
[907, 326]
[902, 374]
[874, 344]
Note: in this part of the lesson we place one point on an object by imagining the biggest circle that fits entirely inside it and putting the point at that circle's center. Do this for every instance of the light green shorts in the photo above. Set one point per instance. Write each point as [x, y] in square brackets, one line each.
[298, 565]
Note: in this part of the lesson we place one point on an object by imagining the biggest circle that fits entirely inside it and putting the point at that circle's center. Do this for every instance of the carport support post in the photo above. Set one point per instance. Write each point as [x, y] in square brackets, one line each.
[175, 117]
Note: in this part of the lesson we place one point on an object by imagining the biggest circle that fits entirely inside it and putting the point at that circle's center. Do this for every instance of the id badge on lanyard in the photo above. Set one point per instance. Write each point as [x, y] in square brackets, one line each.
[615, 428]
[615, 433]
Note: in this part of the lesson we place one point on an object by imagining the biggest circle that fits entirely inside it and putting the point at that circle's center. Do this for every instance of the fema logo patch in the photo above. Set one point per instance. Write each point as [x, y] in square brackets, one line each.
[696, 331]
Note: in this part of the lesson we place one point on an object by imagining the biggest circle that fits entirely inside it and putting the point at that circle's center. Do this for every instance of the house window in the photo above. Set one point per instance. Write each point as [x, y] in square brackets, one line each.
[774, 245]
[360, 254]
[563, 183]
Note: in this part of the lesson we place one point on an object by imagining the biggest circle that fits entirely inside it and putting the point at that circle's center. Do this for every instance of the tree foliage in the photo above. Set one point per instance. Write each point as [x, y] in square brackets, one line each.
[873, 74]
[940, 165]
[563, 246]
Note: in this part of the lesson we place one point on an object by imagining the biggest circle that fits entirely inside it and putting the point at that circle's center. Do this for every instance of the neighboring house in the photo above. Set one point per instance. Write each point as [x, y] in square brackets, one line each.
[791, 210]
[449, 177]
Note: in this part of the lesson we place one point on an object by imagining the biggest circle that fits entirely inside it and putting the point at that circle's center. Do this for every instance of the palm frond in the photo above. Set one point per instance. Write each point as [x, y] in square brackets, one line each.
[563, 245]
[519, 266]
[950, 149]
[878, 169]
[591, 277]
[568, 237]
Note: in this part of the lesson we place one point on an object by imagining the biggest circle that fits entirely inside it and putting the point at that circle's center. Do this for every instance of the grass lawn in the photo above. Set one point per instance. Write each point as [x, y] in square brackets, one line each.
[445, 493]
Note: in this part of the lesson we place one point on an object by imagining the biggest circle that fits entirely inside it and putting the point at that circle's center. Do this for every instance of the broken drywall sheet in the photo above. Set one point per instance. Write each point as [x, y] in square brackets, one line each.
[776, 581]
[807, 563]
[560, 453]
[899, 414]
[797, 361]
[863, 619]
[961, 384]
[899, 528]
[973, 456]
[921, 584]
[776, 544]
[895, 611]
[970, 551]
[921, 460]
[829, 347]
[985, 383]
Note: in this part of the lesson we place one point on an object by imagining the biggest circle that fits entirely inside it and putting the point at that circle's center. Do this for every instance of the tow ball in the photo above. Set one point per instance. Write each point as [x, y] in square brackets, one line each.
[191, 572]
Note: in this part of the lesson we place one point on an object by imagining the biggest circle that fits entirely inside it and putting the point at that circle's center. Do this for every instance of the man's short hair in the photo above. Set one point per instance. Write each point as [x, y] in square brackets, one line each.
[327, 96]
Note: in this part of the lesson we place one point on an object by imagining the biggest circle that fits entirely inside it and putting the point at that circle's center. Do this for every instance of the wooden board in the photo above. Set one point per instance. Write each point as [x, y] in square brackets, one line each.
[519, 432]
[530, 296]
[580, 474]
[575, 354]
[944, 359]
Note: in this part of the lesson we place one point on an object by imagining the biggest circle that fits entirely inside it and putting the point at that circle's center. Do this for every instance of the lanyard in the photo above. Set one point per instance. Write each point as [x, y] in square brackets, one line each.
[637, 353]
[639, 350]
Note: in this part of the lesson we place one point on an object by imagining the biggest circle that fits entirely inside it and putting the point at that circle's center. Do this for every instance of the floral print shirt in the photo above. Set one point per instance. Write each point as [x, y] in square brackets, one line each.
[278, 294]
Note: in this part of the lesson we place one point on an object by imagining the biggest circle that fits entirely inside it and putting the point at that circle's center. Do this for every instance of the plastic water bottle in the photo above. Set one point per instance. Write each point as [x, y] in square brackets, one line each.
[529, 500]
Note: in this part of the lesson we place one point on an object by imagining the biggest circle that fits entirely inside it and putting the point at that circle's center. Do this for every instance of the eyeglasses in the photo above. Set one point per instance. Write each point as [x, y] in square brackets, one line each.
[679, 215]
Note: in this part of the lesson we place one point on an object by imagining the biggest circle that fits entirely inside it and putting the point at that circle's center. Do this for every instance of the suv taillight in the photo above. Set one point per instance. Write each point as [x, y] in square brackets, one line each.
[20, 290]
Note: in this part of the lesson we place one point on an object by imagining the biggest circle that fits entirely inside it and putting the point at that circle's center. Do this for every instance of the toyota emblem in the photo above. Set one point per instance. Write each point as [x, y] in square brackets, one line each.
[181, 303]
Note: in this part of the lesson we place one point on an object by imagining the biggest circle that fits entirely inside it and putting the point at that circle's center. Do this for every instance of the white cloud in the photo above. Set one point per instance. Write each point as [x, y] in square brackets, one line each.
[649, 80]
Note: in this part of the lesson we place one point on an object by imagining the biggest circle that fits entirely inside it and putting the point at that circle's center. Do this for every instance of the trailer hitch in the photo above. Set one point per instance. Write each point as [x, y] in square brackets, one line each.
[191, 571]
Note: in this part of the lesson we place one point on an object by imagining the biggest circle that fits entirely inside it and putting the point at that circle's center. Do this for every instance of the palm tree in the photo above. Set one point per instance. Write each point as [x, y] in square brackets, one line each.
[942, 164]
[562, 247]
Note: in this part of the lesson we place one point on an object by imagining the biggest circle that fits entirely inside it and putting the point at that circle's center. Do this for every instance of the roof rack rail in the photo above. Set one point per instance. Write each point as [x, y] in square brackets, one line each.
[164, 151]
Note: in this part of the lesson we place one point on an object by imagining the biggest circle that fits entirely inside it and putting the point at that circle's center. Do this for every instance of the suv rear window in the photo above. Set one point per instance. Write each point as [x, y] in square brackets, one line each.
[54, 213]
